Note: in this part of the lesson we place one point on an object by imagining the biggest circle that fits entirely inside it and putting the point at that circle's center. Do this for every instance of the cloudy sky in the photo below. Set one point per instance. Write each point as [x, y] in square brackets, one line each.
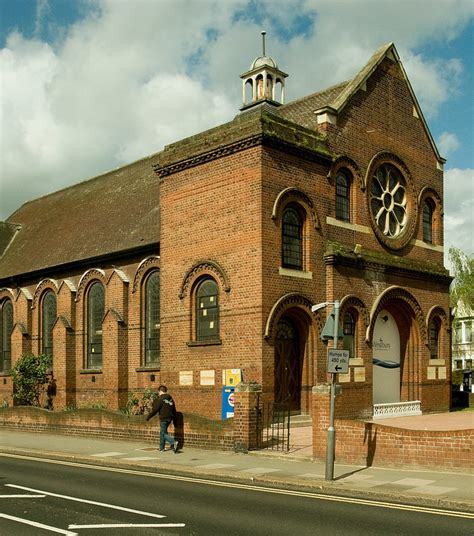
[88, 85]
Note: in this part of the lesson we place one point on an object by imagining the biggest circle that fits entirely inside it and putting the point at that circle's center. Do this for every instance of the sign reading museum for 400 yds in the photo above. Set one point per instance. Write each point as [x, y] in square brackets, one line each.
[338, 361]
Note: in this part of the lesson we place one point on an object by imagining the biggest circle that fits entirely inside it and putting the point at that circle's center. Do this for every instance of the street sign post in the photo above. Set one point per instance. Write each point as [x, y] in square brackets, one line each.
[338, 361]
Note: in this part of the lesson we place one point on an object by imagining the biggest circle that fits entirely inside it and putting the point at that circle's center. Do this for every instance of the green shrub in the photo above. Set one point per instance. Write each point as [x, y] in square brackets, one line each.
[30, 375]
[141, 403]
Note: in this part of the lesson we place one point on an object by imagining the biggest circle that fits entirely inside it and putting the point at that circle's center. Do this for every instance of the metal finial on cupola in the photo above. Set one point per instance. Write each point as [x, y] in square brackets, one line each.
[264, 82]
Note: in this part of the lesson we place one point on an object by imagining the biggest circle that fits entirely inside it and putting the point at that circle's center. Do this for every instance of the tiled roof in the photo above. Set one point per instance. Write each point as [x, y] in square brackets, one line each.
[301, 111]
[114, 212]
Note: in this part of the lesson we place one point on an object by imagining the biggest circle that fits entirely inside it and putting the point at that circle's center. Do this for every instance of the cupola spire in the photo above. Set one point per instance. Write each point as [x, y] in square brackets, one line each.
[264, 82]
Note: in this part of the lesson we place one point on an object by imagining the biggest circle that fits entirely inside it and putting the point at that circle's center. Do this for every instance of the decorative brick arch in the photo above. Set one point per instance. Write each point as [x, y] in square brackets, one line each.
[152, 262]
[438, 311]
[397, 293]
[353, 302]
[347, 163]
[426, 193]
[293, 194]
[41, 287]
[293, 299]
[87, 277]
[201, 268]
[7, 294]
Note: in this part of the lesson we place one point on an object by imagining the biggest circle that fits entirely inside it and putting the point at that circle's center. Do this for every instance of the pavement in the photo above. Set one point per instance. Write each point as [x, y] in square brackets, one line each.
[292, 470]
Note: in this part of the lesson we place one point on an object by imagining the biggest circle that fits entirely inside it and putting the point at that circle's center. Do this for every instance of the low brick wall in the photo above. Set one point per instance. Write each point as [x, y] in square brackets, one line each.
[191, 430]
[383, 445]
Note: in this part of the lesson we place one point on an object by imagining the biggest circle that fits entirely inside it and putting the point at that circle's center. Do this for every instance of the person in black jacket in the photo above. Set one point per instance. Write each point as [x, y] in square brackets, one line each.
[164, 406]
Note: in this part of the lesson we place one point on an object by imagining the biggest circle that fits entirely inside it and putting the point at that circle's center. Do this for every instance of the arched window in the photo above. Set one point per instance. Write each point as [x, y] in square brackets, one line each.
[152, 319]
[343, 190]
[349, 334]
[95, 314]
[207, 311]
[6, 328]
[434, 328]
[292, 239]
[428, 210]
[48, 318]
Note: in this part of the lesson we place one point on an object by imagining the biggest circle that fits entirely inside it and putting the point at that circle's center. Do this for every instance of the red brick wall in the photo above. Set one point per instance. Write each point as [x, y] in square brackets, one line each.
[380, 444]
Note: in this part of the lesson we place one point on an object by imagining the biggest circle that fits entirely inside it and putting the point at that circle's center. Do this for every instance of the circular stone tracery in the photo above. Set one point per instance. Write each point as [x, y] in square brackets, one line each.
[388, 201]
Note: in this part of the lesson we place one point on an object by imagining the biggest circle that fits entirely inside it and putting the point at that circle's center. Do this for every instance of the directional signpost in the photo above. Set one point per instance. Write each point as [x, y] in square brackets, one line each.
[338, 361]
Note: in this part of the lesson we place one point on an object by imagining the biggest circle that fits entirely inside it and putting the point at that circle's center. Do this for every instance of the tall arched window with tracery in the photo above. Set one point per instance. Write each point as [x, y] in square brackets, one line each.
[428, 211]
[48, 318]
[95, 315]
[207, 311]
[152, 319]
[343, 191]
[292, 238]
[6, 328]
[434, 330]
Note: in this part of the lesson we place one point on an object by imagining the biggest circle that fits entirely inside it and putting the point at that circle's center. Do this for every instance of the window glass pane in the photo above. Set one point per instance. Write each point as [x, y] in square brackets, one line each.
[468, 331]
[349, 334]
[6, 333]
[94, 325]
[434, 339]
[427, 222]
[48, 318]
[342, 197]
[292, 243]
[207, 311]
[152, 319]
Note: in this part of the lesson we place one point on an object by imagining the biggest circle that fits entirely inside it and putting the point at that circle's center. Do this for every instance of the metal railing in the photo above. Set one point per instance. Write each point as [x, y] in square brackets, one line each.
[273, 425]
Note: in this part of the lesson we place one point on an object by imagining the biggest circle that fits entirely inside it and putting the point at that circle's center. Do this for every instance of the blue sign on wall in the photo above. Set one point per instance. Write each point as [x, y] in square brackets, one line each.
[227, 402]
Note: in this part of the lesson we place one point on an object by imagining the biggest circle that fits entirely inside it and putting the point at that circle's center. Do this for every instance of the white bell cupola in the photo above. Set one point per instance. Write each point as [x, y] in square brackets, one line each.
[264, 82]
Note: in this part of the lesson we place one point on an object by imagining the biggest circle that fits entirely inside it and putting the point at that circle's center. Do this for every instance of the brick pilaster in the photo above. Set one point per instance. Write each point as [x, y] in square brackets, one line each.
[245, 416]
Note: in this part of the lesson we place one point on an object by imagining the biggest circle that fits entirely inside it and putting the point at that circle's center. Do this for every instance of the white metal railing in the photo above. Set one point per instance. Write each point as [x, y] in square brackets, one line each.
[397, 409]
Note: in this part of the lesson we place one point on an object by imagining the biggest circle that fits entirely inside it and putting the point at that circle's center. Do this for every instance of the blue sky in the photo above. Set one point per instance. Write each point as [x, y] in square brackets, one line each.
[88, 85]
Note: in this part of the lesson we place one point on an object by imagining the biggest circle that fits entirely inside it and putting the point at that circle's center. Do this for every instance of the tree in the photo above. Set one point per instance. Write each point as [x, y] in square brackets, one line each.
[462, 287]
[30, 374]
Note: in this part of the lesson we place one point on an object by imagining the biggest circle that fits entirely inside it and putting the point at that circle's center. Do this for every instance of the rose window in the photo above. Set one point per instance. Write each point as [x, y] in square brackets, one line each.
[388, 201]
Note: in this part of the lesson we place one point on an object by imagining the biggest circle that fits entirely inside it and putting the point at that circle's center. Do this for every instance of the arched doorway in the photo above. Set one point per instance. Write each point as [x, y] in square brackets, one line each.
[288, 363]
[386, 359]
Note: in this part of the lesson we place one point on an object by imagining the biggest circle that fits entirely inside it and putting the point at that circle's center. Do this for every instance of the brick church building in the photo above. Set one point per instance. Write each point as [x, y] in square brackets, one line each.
[210, 254]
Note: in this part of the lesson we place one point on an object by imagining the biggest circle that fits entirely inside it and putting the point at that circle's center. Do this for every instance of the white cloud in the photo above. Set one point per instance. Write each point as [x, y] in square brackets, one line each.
[135, 75]
[459, 210]
[448, 143]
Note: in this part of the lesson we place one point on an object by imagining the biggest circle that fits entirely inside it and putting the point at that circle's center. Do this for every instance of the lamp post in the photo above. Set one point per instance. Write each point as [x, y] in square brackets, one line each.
[331, 433]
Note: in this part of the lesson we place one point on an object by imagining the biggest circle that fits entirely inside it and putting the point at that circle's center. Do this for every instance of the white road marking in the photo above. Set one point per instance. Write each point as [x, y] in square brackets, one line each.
[38, 525]
[108, 454]
[249, 487]
[128, 525]
[22, 496]
[76, 499]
